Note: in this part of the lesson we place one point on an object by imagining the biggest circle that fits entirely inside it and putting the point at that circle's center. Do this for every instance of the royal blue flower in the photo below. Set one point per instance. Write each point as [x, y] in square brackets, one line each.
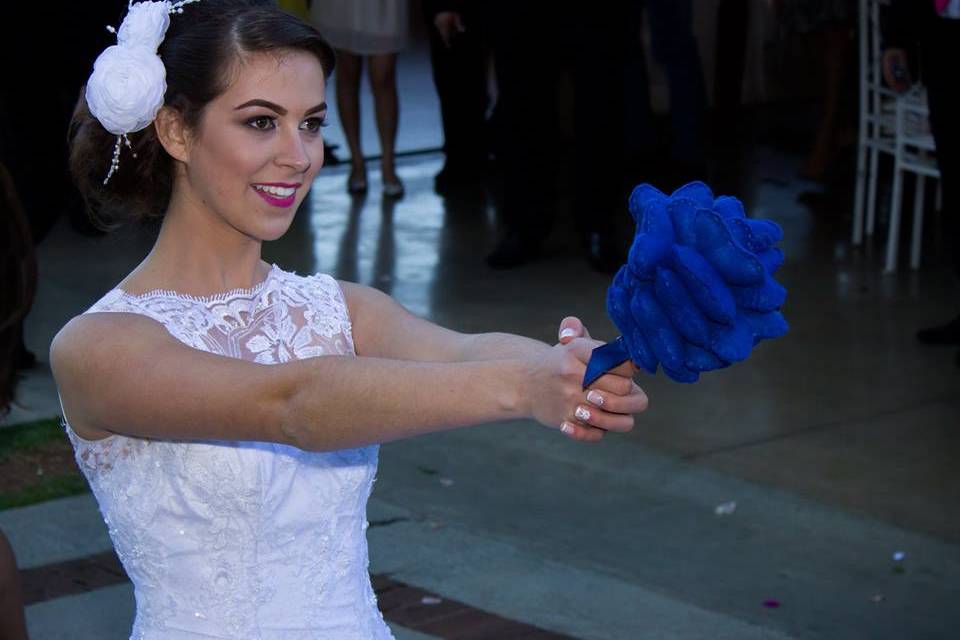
[697, 292]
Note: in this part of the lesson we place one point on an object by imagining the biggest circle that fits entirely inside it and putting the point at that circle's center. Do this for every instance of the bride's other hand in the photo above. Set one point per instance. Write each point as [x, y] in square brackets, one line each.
[572, 327]
[557, 399]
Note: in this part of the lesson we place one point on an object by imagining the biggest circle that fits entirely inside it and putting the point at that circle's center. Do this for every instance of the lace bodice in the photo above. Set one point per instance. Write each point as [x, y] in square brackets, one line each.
[248, 540]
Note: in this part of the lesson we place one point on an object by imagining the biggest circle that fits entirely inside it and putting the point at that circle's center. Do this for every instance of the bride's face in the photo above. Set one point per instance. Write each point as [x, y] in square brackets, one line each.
[258, 146]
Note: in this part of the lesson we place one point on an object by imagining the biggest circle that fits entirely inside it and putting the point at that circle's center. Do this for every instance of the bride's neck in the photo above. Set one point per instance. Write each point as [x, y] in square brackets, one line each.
[197, 251]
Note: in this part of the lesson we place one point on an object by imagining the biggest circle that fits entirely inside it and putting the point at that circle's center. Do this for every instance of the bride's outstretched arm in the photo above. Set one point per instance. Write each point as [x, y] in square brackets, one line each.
[124, 373]
[384, 328]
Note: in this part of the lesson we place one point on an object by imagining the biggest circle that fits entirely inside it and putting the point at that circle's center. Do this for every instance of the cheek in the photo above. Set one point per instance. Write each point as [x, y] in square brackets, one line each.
[228, 172]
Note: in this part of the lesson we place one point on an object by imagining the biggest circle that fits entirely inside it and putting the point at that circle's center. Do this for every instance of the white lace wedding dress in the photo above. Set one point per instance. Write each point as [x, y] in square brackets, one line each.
[245, 540]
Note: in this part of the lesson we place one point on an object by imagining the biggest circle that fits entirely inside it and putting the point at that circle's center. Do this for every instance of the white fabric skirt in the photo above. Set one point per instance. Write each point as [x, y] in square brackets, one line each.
[363, 27]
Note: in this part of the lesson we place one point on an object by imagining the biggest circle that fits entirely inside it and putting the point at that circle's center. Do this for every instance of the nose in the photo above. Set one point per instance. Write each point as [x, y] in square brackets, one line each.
[295, 153]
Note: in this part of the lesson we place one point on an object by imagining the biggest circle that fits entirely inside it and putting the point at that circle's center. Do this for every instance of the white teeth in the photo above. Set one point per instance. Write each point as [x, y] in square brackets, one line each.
[282, 192]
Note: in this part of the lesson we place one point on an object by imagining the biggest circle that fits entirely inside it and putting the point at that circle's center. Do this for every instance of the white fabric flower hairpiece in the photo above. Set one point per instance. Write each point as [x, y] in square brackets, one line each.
[128, 82]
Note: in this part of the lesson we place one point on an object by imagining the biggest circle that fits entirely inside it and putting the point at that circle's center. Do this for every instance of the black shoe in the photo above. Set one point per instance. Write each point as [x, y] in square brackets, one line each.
[512, 251]
[945, 334]
[603, 253]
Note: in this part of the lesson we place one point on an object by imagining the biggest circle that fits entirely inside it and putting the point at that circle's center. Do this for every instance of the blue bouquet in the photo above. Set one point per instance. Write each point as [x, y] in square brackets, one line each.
[697, 292]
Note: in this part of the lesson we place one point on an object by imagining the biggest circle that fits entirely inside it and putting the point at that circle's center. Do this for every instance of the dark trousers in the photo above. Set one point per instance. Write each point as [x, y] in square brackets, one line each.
[940, 51]
[459, 74]
[675, 50]
[535, 45]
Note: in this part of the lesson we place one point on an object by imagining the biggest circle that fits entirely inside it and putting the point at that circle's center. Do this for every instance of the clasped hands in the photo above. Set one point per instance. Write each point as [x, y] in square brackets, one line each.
[606, 405]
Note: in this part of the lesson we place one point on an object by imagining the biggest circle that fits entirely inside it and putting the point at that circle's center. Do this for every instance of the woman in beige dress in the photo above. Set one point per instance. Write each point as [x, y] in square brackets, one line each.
[375, 30]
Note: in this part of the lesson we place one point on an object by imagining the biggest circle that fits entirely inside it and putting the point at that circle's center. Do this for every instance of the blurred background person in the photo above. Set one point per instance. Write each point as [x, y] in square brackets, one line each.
[674, 48]
[537, 47]
[458, 59]
[375, 31]
[18, 285]
[831, 24]
[13, 626]
[930, 30]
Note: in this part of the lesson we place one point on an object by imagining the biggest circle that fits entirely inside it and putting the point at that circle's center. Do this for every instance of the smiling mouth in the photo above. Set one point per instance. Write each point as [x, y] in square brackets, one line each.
[275, 195]
[276, 191]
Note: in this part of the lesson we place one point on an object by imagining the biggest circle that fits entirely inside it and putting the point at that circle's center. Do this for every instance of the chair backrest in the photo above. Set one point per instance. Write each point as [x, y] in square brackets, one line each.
[872, 89]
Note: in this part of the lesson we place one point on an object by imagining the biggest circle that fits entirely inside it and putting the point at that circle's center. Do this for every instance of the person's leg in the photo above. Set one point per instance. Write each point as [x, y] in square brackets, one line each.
[527, 74]
[459, 74]
[638, 126]
[383, 83]
[349, 67]
[675, 48]
[598, 72]
[836, 45]
[940, 50]
[13, 626]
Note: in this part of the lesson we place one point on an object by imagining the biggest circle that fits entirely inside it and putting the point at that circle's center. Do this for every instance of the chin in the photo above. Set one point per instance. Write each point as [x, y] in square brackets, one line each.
[273, 232]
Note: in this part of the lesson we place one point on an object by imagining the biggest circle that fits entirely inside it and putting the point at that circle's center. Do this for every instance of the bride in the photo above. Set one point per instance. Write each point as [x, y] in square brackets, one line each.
[232, 463]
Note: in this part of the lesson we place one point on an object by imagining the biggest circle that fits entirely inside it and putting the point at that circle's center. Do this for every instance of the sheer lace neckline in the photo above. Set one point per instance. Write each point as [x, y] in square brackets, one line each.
[209, 299]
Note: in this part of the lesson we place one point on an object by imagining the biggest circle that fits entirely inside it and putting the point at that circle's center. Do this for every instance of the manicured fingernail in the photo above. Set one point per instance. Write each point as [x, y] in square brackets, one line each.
[582, 413]
[568, 332]
[567, 428]
[595, 397]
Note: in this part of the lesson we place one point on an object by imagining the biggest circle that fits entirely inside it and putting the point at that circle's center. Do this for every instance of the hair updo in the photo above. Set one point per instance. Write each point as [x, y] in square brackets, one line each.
[198, 52]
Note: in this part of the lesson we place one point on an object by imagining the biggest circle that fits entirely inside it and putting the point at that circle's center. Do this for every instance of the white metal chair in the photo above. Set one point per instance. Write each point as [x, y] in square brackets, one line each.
[877, 118]
[914, 152]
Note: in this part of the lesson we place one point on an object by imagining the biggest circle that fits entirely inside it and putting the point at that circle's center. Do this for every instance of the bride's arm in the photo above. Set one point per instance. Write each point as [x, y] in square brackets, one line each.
[123, 373]
[383, 328]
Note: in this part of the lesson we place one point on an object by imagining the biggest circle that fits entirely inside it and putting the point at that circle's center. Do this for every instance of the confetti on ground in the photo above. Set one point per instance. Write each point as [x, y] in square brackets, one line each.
[771, 604]
[877, 598]
[898, 556]
[725, 509]
[430, 600]
[447, 482]
[437, 524]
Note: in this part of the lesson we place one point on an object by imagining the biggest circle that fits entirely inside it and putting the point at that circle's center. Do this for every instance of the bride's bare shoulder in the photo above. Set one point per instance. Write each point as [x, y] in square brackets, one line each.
[76, 357]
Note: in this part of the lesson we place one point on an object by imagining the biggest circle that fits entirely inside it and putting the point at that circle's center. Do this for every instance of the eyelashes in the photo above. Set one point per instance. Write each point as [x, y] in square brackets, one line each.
[270, 123]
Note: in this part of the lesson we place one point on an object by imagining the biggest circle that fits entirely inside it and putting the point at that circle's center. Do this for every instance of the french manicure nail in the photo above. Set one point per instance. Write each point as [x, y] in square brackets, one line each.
[568, 332]
[582, 413]
[595, 397]
[567, 428]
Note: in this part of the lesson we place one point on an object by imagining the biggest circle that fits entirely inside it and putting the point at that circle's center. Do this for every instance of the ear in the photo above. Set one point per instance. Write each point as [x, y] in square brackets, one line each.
[172, 133]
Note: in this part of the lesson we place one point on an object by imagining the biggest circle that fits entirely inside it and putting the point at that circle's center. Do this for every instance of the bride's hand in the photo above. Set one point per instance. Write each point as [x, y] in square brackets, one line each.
[558, 400]
[571, 327]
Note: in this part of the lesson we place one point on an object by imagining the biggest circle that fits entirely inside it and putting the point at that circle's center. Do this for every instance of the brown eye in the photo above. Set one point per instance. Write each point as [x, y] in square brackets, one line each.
[261, 123]
[314, 124]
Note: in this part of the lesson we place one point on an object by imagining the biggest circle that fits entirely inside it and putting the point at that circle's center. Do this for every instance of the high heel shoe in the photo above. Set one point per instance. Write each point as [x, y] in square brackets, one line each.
[356, 184]
[393, 189]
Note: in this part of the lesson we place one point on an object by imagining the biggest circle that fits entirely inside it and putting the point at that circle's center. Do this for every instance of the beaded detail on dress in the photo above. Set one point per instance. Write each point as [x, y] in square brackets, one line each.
[250, 540]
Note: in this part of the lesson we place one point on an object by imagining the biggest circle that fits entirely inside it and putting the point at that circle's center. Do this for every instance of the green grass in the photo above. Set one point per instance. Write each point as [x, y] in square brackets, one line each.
[34, 437]
[48, 488]
[29, 436]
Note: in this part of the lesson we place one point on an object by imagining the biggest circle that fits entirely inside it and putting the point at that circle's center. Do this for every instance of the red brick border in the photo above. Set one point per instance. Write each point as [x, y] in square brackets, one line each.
[403, 604]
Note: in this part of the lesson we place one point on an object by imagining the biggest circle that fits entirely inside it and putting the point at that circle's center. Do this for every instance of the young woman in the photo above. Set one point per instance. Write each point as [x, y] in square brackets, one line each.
[231, 463]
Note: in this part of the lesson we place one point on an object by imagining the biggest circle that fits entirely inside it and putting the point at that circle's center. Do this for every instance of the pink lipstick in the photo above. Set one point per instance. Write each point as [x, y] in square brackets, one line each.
[275, 199]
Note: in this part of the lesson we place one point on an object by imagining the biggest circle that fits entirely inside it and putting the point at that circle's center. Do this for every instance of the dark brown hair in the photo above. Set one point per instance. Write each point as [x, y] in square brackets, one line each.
[199, 52]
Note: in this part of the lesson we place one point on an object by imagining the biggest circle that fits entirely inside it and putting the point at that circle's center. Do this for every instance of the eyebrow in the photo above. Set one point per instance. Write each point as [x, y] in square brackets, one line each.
[270, 105]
